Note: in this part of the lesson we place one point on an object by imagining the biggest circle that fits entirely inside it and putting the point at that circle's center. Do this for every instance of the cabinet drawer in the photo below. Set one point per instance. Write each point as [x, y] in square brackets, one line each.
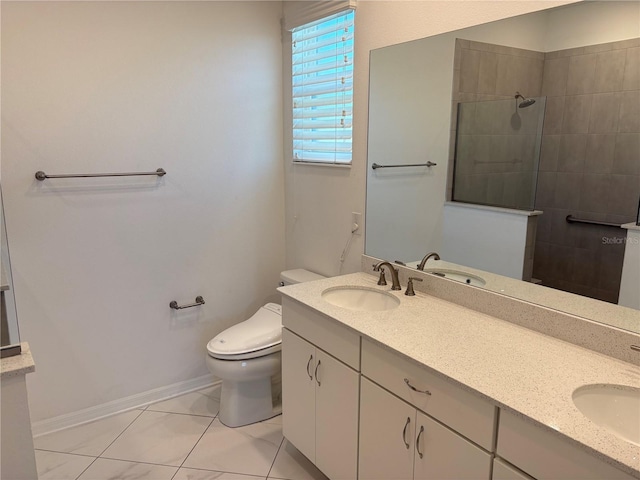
[324, 332]
[544, 455]
[464, 412]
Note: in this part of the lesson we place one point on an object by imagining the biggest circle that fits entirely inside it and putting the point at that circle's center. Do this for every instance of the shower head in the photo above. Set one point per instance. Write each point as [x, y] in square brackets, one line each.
[526, 102]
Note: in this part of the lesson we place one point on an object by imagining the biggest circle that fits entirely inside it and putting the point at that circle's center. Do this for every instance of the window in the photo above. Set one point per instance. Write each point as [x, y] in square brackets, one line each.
[322, 80]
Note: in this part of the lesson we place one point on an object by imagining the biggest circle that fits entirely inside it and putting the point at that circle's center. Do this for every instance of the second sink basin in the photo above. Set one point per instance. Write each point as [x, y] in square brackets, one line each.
[360, 298]
[613, 407]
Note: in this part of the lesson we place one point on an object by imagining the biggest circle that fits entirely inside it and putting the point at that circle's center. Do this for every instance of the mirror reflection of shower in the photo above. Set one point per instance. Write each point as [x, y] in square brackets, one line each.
[497, 152]
[526, 102]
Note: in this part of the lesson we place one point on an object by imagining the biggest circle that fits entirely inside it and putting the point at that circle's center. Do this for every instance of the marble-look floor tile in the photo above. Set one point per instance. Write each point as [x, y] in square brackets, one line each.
[161, 438]
[60, 466]
[88, 439]
[104, 469]
[277, 420]
[204, 402]
[192, 474]
[248, 450]
[290, 464]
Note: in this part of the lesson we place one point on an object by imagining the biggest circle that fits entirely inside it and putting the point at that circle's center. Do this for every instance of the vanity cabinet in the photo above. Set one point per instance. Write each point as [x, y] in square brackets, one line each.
[503, 471]
[320, 393]
[455, 407]
[361, 410]
[543, 455]
[398, 441]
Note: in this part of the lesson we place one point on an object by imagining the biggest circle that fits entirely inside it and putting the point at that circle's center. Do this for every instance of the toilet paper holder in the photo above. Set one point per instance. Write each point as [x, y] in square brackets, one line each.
[174, 305]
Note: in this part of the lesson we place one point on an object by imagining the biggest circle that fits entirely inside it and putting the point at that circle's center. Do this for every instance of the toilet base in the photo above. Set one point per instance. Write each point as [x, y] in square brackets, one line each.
[251, 389]
[243, 403]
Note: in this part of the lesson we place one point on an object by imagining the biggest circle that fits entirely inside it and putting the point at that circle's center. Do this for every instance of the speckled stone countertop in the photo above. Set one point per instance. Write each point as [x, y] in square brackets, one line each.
[18, 364]
[520, 370]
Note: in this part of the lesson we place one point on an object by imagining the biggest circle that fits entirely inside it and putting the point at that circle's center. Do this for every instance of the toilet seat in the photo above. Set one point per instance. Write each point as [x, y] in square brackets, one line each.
[257, 336]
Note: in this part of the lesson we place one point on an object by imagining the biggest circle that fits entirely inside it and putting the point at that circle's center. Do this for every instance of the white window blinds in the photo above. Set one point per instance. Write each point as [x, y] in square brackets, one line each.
[322, 81]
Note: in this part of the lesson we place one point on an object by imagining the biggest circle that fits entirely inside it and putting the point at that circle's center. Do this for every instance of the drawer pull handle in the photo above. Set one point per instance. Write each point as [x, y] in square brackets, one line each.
[404, 433]
[308, 364]
[418, 442]
[316, 373]
[426, 392]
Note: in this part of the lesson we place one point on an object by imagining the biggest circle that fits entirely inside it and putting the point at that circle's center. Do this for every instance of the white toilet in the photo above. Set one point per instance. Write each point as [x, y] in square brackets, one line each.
[246, 357]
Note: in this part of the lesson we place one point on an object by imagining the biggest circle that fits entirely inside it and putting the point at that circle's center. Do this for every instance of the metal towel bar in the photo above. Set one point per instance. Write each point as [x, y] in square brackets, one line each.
[428, 164]
[40, 175]
[175, 306]
[572, 219]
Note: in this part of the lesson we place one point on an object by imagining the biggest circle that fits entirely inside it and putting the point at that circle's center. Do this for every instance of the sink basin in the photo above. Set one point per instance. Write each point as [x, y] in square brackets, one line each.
[458, 276]
[613, 407]
[360, 299]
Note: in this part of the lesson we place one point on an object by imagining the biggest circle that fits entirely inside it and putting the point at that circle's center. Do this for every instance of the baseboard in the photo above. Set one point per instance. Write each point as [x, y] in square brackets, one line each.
[138, 400]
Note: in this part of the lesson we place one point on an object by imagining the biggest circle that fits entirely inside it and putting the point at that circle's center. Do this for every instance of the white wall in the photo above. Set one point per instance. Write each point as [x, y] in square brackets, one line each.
[320, 199]
[133, 86]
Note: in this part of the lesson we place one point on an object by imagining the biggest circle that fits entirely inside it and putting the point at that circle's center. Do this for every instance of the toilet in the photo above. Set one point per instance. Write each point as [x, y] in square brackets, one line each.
[247, 358]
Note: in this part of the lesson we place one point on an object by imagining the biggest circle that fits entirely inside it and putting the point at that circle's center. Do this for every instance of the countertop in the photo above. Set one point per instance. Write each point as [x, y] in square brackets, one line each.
[18, 364]
[522, 371]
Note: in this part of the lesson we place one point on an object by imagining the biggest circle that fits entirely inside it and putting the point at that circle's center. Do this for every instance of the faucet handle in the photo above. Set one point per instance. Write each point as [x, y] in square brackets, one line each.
[410, 291]
[382, 280]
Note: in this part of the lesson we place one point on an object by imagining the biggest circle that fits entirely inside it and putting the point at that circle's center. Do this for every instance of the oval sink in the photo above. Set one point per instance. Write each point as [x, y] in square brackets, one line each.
[360, 298]
[459, 276]
[613, 407]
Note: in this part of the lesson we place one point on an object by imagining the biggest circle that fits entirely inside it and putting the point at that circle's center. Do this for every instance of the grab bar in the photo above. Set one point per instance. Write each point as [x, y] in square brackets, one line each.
[428, 164]
[40, 175]
[572, 219]
[175, 306]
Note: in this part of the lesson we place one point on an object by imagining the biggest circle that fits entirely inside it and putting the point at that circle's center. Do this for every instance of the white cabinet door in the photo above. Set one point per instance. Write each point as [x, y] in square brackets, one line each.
[387, 433]
[444, 455]
[337, 400]
[503, 471]
[298, 393]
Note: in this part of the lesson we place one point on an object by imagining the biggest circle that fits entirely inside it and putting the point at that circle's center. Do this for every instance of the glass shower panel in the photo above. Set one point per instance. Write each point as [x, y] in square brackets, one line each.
[497, 152]
[9, 335]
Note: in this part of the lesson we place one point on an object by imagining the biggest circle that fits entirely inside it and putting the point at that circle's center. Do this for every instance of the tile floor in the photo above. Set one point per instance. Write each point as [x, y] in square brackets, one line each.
[176, 439]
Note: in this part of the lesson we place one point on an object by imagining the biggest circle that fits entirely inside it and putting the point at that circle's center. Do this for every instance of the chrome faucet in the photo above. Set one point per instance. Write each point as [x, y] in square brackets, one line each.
[427, 257]
[394, 274]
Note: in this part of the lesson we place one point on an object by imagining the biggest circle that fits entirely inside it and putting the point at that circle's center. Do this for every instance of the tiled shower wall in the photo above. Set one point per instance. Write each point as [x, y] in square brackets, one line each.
[497, 141]
[497, 152]
[589, 166]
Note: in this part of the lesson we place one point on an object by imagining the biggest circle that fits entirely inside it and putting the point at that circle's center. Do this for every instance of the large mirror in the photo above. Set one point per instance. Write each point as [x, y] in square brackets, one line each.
[581, 64]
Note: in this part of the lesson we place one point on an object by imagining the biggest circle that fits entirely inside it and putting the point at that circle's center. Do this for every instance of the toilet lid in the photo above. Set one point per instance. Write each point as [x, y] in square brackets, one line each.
[262, 330]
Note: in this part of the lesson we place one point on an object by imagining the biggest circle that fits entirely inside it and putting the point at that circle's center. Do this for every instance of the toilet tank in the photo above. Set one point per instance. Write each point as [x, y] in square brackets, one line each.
[298, 275]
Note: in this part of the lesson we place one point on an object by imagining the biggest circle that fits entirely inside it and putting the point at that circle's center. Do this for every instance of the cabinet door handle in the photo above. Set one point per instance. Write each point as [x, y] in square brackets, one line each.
[308, 364]
[426, 392]
[316, 372]
[404, 433]
[418, 441]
